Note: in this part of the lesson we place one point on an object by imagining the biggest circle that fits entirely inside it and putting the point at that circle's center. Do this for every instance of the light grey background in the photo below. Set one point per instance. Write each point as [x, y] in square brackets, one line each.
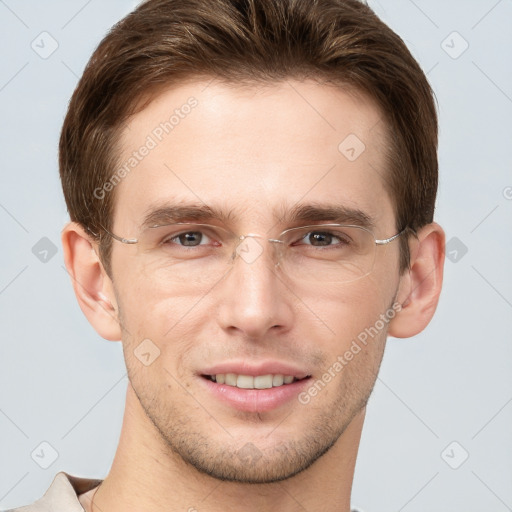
[62, 384]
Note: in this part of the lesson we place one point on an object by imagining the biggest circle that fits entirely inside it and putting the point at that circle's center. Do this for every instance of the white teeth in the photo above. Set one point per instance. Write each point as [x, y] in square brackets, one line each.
[230, 379]
[263, 381]
[249, 382]
[277, 380]
[245, 382]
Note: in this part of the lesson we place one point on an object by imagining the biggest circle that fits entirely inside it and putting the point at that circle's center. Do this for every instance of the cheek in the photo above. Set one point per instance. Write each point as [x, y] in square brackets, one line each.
[158, 323]
[360, 323]
[150, 309]
[351, 308]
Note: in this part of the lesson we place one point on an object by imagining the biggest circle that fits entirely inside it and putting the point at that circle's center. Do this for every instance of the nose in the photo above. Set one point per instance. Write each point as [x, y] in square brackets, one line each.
[254, 296]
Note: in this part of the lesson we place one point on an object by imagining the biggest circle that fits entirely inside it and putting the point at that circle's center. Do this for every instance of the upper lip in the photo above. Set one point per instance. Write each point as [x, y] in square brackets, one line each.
[256, 368]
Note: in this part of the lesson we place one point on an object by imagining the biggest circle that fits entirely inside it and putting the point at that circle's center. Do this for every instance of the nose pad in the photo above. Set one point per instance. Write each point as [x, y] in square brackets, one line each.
[249, 249]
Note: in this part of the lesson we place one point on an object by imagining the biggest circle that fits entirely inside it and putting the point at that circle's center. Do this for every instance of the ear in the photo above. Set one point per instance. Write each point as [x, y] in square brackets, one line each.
[420, 286]
[93, 287]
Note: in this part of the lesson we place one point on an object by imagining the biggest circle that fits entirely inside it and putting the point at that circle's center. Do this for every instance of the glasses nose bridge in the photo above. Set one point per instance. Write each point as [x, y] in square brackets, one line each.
[249, 249]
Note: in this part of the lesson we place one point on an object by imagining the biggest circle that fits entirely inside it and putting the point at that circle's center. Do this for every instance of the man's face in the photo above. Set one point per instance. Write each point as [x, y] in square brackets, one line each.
[257, 153]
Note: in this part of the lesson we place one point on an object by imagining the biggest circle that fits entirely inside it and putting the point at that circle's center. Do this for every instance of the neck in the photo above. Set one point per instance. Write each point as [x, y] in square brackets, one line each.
[147, 475]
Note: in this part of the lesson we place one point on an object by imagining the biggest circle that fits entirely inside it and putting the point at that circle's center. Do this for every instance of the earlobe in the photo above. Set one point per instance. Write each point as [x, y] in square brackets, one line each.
[420, 286]
[93, 287]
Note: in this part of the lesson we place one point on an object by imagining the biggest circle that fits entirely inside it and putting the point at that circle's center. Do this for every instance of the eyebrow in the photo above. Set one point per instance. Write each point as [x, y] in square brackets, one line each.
[300, 213]
[195, 212]
[331, 213]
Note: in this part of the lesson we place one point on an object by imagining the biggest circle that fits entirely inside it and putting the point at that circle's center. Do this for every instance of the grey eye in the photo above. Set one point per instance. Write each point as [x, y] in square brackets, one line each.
[192, 238]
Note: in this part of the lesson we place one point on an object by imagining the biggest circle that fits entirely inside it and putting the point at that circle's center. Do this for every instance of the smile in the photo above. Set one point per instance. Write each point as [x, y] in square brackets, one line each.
[252, 382]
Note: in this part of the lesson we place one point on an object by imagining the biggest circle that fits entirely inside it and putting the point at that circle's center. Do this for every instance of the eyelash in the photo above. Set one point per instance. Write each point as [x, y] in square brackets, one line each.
[341, 241]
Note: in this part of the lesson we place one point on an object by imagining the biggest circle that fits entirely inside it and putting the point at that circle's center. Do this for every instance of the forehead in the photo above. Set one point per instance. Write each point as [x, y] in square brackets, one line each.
[253, 150]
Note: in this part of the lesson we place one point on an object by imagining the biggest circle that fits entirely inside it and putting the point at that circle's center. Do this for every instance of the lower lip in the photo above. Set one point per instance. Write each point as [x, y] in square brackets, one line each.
[256, 400]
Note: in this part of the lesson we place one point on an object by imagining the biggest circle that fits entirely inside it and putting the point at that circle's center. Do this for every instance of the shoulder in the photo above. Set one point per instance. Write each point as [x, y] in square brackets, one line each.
[61, 495]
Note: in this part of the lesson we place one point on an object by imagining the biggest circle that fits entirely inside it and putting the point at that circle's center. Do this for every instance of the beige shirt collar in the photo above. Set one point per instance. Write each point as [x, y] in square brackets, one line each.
[62, 495]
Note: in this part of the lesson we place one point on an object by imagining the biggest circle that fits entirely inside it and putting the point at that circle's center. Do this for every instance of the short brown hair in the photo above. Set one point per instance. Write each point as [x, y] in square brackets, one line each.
[164, 42]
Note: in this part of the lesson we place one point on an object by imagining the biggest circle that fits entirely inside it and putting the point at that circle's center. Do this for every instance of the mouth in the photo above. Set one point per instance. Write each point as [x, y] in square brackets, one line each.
[266, 381]
[255, 386]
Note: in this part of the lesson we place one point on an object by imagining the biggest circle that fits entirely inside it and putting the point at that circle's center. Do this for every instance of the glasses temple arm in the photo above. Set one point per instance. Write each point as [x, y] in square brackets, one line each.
[390, 239]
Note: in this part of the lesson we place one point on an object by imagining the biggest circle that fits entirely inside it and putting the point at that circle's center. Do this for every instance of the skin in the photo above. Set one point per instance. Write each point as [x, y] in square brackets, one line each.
[255, 150]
